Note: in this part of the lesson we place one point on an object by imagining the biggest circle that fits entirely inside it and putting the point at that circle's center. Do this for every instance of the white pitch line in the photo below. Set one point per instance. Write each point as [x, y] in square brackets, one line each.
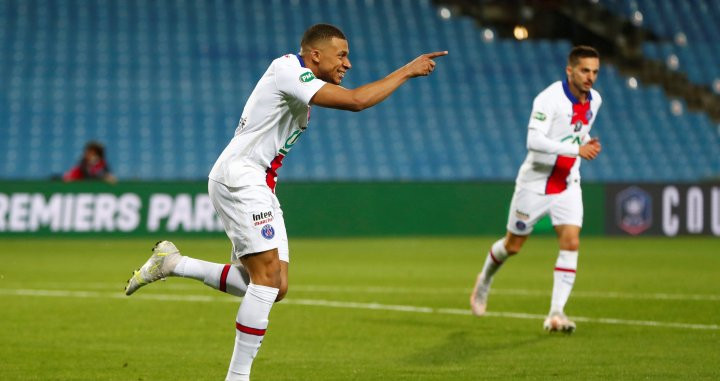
[351, 305]
[507, 291]
[115, 295]
[419, 290]
[515, 315]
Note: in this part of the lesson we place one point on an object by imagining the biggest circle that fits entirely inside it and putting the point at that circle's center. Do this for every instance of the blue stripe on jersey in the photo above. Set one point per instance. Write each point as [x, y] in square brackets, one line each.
[571, 97]
[302, 62]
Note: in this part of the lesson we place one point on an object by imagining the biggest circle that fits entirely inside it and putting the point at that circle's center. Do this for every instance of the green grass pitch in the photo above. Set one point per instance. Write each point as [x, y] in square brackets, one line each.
[365, 309]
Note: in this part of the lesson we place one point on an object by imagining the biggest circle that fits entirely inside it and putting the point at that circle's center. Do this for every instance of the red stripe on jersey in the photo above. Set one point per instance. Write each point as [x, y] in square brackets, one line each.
[271, 173]
[565, 270]
[223, 278]
[249, 330]
[557, 182]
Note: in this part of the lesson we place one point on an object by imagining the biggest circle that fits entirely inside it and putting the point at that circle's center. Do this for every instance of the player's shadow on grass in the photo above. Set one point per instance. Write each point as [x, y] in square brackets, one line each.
[461, 346]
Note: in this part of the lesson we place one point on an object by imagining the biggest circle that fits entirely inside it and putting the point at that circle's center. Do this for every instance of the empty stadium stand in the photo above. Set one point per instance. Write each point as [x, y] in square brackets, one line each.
[689, 30]
[163, 84]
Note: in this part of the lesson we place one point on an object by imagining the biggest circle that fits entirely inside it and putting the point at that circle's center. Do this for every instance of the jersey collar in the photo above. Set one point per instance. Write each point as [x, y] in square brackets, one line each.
[302, 62]
[569, 94]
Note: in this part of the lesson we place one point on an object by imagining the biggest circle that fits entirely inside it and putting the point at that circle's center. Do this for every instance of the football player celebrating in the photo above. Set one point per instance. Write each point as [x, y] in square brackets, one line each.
[242, 181]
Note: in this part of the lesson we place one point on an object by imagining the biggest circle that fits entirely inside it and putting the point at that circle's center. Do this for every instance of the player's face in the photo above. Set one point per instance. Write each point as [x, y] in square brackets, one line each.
[333, 60]
[91, 156]
[583, 75]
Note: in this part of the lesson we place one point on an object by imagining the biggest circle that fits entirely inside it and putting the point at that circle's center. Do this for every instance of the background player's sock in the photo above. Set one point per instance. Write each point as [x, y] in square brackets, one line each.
[564, 279]
[252, 322]
[226, 278]
[495, 258]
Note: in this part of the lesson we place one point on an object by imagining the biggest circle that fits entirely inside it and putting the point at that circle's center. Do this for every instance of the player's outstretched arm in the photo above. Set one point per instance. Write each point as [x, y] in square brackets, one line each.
[334, 96]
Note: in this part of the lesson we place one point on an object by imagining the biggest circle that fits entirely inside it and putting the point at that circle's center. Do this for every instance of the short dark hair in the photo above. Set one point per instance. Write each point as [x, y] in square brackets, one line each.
[97, 147]
[320, 32]
[582, 51]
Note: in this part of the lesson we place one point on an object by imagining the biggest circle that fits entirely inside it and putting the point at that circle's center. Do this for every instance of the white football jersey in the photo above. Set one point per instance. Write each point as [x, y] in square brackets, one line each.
[558, 115]
[274, 117]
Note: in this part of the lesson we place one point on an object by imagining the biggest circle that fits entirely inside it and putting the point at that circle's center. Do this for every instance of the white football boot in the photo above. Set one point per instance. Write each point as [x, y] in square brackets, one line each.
[558, 322]
[479, 296]
[163, 260]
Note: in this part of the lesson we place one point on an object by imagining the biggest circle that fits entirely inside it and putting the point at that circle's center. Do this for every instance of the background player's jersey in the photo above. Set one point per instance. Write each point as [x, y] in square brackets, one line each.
[274, 117]
[559, 116]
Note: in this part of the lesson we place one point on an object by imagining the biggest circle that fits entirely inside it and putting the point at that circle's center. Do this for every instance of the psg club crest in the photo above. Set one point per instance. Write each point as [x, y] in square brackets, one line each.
[520, 225]
[268, 232]
[633, 210]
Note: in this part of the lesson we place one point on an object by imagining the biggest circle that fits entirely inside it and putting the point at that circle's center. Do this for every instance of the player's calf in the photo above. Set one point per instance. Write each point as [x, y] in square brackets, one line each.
[495, 258]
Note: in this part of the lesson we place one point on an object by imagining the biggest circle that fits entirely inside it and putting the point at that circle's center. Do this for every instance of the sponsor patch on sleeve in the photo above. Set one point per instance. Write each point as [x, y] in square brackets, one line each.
[539, 116]
[307, 76]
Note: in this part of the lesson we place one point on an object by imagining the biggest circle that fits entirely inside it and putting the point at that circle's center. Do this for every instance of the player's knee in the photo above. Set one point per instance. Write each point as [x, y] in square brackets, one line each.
[513, 243]
[268, 275]
[511, 250]
[570, 243]
[281, 294]
[513, 246]
[273, 277]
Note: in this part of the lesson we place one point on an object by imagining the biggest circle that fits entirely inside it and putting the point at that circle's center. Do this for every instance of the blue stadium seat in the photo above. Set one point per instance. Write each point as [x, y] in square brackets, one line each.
[697, 20]
[163, 84]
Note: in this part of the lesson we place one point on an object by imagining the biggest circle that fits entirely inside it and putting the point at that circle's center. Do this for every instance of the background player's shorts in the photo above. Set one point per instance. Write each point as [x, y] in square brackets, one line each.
[528, 207]
[252, 219]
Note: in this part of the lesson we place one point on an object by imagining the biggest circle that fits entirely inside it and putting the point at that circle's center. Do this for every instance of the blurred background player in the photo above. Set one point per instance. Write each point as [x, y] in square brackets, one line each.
[92, 165]
[549, 181]
[242, 181]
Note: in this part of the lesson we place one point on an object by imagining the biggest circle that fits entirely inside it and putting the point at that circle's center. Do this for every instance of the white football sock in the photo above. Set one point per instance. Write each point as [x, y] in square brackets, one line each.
[495, 258]
[226, 278]
[251, 324]
[564, 279]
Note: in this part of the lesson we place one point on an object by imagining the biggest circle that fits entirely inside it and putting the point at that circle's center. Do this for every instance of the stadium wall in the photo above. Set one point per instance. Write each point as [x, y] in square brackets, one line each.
[310, 209]
[663, 209]
[347, 209]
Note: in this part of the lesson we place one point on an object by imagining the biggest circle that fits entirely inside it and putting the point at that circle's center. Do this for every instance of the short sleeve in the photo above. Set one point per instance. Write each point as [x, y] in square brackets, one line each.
[297, 81]
[542, 113]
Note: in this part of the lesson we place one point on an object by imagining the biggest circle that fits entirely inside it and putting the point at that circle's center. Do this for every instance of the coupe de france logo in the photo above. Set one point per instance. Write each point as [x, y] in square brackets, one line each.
[268, 232]
[633, 210]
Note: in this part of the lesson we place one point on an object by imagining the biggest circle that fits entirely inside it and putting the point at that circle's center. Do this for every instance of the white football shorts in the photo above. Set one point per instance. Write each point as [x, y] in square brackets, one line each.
[252, 219]
[528, 207]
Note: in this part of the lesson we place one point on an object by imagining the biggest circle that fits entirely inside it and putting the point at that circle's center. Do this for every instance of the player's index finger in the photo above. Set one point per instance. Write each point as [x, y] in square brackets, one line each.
[436, 54]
